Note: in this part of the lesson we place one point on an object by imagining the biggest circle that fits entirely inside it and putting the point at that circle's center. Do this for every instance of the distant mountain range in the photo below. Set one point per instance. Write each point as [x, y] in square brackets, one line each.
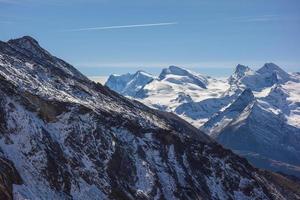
[254, 113]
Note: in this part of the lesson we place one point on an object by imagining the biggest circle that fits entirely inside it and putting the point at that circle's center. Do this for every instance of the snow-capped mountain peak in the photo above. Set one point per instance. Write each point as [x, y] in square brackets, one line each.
[180, 75]
[274, 73]
[129, 84]
[220, 120]
[270, 67]
[143, 74]
[243, 100]
[174, 70]
[240, 72]
[267, 76]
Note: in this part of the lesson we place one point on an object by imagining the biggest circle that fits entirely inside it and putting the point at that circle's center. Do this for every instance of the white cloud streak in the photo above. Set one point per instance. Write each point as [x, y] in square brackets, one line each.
[120, 27]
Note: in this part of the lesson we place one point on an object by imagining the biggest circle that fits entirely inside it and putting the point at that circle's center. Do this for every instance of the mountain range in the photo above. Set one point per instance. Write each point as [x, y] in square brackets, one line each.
[254, 113]
[63, 136]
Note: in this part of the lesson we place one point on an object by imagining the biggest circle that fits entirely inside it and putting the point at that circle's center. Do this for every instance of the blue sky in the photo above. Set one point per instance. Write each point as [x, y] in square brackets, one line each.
[209, 36]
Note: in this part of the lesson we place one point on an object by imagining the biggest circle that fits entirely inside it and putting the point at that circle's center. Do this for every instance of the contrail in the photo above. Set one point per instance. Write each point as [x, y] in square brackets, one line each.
[118, 27]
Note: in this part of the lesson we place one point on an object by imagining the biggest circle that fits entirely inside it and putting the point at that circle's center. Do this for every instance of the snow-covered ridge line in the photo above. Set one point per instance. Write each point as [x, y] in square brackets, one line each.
[176, 88]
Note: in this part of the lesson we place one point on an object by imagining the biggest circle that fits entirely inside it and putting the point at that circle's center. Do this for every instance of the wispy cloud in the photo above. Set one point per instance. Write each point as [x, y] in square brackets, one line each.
[120, 27]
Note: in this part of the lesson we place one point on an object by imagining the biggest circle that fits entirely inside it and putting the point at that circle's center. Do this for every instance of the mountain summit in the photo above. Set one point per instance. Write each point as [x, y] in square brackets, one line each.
[240, 72]
[187, 75]
[129, 84]
[266, 76]
[274, 73]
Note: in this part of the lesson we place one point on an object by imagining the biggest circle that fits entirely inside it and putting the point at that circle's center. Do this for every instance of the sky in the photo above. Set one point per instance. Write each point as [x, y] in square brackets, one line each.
[101, 37]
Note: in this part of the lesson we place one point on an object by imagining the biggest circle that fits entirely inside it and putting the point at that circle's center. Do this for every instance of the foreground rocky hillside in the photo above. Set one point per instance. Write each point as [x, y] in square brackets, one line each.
[63, 136]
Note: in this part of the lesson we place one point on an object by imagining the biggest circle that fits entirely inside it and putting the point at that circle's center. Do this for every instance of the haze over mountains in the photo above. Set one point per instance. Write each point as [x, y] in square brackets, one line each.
[254, 113]
[63, 136]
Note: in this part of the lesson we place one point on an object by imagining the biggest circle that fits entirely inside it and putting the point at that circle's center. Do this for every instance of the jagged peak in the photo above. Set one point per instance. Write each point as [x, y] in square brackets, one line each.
[173, 70]
[143, 73]
[25, 42]
[246, 96]
[131, 75]
[239, 72]
[173, 67]
[273, 70]
[120, 75]
[278, 90]
[25, 38]
[267, 67]
[241, 69]
[243, 100]
[140, 71]
[27, 48]
[129, 83]
[183, 98]
[179, 71]
[118, 78]
[29, 44]
[271, 67]
[247, 92]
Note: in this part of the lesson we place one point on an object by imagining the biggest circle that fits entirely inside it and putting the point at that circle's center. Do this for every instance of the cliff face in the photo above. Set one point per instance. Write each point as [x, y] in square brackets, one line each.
[63, 136]
[8, 176]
